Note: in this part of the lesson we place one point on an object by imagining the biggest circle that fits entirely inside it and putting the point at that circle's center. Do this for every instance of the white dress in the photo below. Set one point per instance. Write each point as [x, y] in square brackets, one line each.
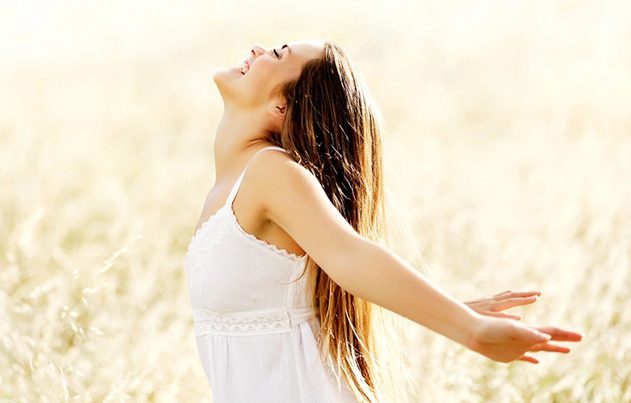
[255, 330]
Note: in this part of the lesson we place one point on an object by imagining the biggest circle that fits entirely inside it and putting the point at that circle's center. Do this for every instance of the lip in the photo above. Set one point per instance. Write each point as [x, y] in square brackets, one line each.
[246, 61]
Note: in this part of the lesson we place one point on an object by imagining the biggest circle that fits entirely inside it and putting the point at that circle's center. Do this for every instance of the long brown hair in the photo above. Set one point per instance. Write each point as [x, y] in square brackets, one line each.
[333, 128]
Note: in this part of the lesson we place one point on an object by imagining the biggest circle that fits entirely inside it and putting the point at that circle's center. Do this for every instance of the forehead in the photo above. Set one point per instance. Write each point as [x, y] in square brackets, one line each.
[306, 50]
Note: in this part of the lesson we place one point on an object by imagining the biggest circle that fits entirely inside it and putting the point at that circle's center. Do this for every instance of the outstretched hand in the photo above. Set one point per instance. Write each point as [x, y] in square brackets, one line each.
[506, 340]
[491, 306]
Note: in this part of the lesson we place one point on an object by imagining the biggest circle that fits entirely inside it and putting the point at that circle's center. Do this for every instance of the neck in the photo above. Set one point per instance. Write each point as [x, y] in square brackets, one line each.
[239, 134]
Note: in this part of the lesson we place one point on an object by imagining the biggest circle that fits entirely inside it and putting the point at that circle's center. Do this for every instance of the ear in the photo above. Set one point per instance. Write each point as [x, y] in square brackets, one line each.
[278, 108]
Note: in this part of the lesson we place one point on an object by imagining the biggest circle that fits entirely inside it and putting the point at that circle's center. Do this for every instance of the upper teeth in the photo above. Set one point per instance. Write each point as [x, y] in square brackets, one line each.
[244, 68]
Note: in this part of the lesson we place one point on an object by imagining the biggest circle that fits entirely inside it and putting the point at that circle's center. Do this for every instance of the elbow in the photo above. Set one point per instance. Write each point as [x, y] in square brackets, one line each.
[346, 268]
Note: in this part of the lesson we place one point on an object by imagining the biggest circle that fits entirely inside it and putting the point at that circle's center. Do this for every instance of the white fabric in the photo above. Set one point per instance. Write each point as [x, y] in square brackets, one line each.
[255, 330]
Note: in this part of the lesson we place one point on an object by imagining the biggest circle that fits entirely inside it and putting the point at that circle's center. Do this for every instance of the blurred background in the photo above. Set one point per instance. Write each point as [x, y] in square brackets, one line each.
[508, 147]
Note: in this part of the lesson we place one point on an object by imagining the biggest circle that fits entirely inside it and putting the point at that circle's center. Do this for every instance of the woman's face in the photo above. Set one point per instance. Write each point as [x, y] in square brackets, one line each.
[250, 82]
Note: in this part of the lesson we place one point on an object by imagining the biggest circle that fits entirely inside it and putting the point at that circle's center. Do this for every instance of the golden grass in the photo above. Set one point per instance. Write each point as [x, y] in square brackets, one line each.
[509, 133]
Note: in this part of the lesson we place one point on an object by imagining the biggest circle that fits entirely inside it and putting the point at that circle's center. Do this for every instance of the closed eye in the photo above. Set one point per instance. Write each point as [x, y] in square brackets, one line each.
[277, 55]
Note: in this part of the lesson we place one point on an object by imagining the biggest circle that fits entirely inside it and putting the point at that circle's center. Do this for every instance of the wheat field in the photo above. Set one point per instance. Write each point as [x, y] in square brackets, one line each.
[508, 147]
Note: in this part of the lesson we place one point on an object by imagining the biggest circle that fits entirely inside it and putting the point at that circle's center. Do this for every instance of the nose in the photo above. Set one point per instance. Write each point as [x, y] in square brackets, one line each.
[257, 50]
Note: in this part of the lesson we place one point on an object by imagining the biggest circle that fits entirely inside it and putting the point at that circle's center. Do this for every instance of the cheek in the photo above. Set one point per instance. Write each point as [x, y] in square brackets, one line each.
[261, 71]
[260, 80]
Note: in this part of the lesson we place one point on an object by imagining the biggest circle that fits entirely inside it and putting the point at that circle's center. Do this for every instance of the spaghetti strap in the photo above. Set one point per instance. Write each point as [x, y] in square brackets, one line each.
[236, 185]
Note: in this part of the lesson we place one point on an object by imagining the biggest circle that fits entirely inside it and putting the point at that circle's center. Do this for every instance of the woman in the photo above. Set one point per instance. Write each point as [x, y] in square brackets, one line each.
[286, 268]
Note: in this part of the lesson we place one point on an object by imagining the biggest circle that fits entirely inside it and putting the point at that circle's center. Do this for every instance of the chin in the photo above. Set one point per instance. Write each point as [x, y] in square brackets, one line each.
[220, 76]
[223, 78]
[228, 73]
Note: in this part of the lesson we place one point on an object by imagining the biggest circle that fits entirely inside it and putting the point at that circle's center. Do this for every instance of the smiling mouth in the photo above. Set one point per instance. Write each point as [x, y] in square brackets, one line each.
[244, 67]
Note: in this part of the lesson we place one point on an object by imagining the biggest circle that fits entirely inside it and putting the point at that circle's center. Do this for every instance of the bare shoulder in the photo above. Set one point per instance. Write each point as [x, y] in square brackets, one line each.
[291, 196]
[274, 171]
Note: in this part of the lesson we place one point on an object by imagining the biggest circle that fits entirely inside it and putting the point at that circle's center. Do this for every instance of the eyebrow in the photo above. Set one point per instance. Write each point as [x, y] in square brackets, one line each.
[288, 48]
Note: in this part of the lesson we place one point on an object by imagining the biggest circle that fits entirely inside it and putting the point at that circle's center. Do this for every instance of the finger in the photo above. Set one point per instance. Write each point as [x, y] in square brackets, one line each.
[517, 294]
[501, 315]
[511, 302]
[529, 358]
[474, 301]
[524, 294]
[503, 293]
[537, 337]
[559, 334]
[555, 348]
[529, 336]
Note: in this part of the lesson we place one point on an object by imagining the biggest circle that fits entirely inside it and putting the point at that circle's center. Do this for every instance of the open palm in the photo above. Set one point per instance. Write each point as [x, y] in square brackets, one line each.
[504, 341]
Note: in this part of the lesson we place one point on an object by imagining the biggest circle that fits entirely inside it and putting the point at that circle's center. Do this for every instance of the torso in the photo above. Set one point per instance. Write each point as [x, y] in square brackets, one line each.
[249, 213]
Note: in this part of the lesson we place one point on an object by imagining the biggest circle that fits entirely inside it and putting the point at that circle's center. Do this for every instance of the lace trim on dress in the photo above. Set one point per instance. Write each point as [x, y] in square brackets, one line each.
[201, 242]
[207, 321]
[194, 256]
[205, 223]
[270, 320]
[271, 247]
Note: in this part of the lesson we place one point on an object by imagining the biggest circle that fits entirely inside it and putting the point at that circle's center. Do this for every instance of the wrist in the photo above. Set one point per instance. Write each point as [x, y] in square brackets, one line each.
[471, 324]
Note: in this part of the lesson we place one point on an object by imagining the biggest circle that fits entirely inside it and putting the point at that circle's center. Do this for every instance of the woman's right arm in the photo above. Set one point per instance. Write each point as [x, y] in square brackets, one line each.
[298, 204]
